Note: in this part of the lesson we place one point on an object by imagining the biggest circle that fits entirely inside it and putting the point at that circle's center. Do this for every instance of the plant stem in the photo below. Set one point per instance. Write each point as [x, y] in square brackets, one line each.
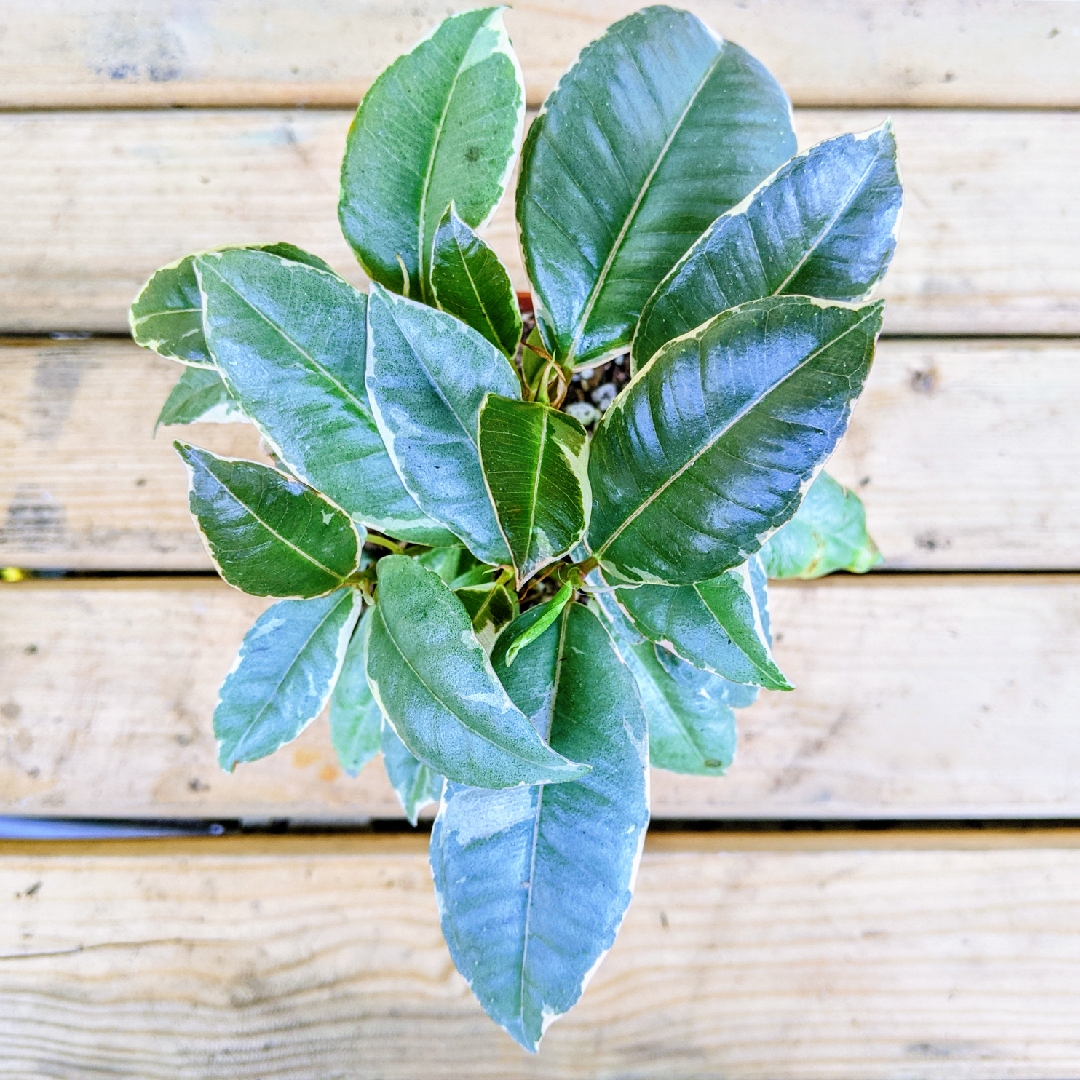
[382, 541]
[588, 566]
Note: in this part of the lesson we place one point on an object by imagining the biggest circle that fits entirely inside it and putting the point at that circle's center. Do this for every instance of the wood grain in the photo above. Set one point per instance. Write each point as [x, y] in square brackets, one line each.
[938, 697]
[965, 453]
[987, 246]
[315, 960]
[95, 53]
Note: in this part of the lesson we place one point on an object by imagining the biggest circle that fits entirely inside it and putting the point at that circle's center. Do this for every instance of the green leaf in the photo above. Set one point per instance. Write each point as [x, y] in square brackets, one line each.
[759, 581]
[691, 724]
[603, 602]
[290, 341]
[827, 533]
[355, 719]
[167, 314]
[546, 614]
[416, 785]
[450, 562]
[436, 687]
[470, 281]
[480, 574]
[490, 606]
[442, 124]
[268, 534]
[534, 360]
[535, 461]
[824, 225]
[284, 674]
[657, 129]
[533, 883]
[199, 396]
[711, 445]
[714, 625]
[427, 375]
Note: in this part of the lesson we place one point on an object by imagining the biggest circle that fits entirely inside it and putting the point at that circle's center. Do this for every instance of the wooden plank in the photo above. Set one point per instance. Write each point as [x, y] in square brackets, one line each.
[315, 959]
[987, 246]
[95, 53]
[962, 450]
[939, 697]
[88, 485]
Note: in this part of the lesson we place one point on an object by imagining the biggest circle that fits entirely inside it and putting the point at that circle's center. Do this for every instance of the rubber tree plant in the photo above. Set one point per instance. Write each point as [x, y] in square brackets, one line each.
[527, 563]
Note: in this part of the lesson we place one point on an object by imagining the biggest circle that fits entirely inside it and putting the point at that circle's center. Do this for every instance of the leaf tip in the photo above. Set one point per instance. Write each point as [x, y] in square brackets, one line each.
[568, 773]
[185, 450]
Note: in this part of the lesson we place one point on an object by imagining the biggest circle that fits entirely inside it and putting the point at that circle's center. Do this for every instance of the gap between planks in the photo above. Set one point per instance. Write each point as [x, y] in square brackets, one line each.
[657, 842]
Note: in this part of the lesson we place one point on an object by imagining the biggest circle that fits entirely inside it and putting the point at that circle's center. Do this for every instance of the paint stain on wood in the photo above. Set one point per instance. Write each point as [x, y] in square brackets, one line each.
[33, 521]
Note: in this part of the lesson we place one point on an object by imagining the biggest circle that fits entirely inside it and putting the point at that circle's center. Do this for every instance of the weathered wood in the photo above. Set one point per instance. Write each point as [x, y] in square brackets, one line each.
[86, 484]
[58, 54]
[988, 243]
[313, 959]
[965, 452]
[917, 697]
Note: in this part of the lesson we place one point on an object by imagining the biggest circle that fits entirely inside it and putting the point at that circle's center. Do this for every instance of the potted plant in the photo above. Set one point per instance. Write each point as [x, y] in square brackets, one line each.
[527, 560]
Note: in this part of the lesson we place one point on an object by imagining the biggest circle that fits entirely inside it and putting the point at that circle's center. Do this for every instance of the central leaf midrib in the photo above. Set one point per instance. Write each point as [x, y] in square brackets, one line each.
[476, 292]
[420, 679]
[536, 483]
[288, 671]
[431, 379]
[616, 247]
[429, 171]
[556, 678]
[138, 320]
[827, 228]
[739, 416]
[362, 406]
[762, 669]
[274, 532]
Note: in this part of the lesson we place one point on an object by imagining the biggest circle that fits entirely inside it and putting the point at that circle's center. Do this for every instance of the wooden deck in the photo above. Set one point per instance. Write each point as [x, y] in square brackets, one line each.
[941, 690]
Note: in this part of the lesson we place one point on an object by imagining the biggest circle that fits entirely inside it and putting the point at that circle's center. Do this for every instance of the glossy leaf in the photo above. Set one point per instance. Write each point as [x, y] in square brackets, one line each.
[759, 582]
[470, 282]
[824, 225]
[167, 314]
[450, 562]
[490, 606]
[355, 719]
[657, 129]
[691, 724]
[534, 359]
[436, 687]
[427, 375]
[290, 341]
[535, 461]
[284, 674]
[268, 534]
[603, 603]
[416, 785]
[827, 533]
[712, 444]
[533, 882]
[546, 614]
[199, 396]
[714, 625]
[480, 574]
[442, 124]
